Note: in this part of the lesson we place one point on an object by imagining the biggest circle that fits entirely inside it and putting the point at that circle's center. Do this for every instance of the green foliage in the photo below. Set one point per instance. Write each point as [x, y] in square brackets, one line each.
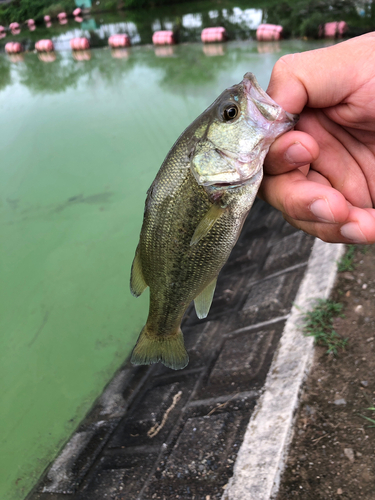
[346, 263]
[301, 18]
[54, 9]
[318, 323]
[368, 418]
[21, 10]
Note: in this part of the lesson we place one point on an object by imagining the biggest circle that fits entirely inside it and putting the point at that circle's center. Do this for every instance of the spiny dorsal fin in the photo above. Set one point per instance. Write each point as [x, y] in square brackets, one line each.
[137, 281]
[202, 302]
[206, 223]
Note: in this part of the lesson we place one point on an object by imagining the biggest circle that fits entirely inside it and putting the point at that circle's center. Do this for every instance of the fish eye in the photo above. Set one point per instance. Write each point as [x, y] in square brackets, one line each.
[230, 112]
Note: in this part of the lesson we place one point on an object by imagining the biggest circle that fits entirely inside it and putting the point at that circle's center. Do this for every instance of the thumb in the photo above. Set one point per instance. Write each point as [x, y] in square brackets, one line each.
[321, 78]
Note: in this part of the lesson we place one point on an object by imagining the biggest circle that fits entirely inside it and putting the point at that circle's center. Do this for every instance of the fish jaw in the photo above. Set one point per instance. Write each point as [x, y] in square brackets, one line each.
[265, 113]
[231, 153]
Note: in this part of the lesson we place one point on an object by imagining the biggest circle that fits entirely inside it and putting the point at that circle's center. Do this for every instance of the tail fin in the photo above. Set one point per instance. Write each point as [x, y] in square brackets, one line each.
[169, 350]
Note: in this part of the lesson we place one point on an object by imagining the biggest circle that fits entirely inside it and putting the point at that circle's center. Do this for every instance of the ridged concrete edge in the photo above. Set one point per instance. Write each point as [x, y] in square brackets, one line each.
[261, 458]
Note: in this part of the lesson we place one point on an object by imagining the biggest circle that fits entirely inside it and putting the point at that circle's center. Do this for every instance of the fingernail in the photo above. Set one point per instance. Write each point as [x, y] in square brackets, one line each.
[298, 154]
[321, 209]
[352, 232]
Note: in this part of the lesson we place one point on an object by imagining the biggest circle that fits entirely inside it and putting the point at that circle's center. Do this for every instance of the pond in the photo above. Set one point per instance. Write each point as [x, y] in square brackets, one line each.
[81, 142]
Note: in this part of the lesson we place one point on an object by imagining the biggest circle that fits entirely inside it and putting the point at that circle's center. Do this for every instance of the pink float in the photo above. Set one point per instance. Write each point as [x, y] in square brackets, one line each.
[163, 38]
[16, 58]
[268, 47]
[268, 32]
[79, 43]
[62, 18]
[333, 30]
[210, 35]
[15, 28]
[47, 57]
[164, 51]
[13, 48]
[116, 41]
[214, 50]
[78, 19]
[82, 55]
[47, 19]
[31, 24]
[120, 53]
[77, 12]
[44, 46]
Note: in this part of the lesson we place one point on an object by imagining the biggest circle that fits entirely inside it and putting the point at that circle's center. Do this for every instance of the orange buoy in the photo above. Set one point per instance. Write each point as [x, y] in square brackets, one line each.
[47, 57]
[79, 43]
[267, 32]
[13, 48]
[121, 40]
[82, 55]
[44, 46]
[165, 37]
[62, 17]
[15, 28]
[217, 34]
[335, 29]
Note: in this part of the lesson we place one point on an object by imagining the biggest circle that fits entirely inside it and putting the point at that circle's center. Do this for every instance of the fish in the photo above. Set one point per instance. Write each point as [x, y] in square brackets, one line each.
[195, 210]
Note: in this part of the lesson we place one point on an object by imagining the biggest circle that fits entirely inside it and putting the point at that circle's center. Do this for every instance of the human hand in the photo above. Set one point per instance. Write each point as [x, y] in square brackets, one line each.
[322, 174]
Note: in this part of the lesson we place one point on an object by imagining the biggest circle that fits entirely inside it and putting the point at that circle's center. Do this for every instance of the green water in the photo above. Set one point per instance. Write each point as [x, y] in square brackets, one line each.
[80, 144]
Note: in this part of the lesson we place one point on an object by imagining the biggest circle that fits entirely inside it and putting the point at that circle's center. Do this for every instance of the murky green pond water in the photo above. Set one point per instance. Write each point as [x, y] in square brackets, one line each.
[80, 144]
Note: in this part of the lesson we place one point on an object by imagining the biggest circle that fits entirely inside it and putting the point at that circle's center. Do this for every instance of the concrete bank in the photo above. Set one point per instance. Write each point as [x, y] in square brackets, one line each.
[219, 428]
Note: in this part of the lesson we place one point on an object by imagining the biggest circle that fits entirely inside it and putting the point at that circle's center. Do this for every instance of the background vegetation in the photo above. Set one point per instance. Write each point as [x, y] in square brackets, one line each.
[300, 18]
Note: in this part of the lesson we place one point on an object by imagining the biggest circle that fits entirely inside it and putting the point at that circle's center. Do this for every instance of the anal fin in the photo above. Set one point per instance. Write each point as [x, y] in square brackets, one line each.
[137, 281]
[206, 223]
[203, 301]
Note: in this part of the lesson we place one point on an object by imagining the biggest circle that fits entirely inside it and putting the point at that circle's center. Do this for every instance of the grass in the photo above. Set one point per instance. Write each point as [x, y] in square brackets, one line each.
[368, 418]
[347, 260]
[318, 323]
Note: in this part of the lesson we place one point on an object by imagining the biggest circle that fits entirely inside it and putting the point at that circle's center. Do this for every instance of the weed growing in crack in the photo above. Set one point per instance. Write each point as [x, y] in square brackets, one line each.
[368, 418]
[318, 323]
[346, 263]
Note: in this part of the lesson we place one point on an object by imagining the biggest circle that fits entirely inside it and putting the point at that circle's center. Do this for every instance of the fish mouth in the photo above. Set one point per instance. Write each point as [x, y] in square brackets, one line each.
[267, 107]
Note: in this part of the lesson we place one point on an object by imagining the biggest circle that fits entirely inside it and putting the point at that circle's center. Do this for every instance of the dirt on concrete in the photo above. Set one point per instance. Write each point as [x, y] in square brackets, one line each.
[332, 455]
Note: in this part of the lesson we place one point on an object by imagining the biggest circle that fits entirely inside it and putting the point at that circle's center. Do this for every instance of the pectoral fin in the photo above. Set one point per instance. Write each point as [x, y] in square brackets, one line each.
[206, 223]
[202, 302]
[137, 281]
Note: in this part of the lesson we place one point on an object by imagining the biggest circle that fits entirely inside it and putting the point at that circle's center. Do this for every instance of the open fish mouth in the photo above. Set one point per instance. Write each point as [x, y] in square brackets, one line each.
[269, 110]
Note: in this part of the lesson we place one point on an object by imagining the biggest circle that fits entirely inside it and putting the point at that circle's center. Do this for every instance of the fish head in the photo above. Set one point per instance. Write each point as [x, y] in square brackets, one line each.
[235, 134]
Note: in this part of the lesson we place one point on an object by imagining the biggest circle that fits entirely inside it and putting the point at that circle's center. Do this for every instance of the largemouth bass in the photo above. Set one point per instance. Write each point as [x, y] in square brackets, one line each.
[194, 212]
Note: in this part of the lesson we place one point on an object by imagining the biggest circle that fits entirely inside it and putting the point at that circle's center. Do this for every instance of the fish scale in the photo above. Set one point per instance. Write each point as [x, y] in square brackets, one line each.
[195, 210]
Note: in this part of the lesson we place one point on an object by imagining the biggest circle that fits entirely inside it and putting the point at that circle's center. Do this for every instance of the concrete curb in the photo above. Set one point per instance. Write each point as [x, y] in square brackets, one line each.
[262, 455]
